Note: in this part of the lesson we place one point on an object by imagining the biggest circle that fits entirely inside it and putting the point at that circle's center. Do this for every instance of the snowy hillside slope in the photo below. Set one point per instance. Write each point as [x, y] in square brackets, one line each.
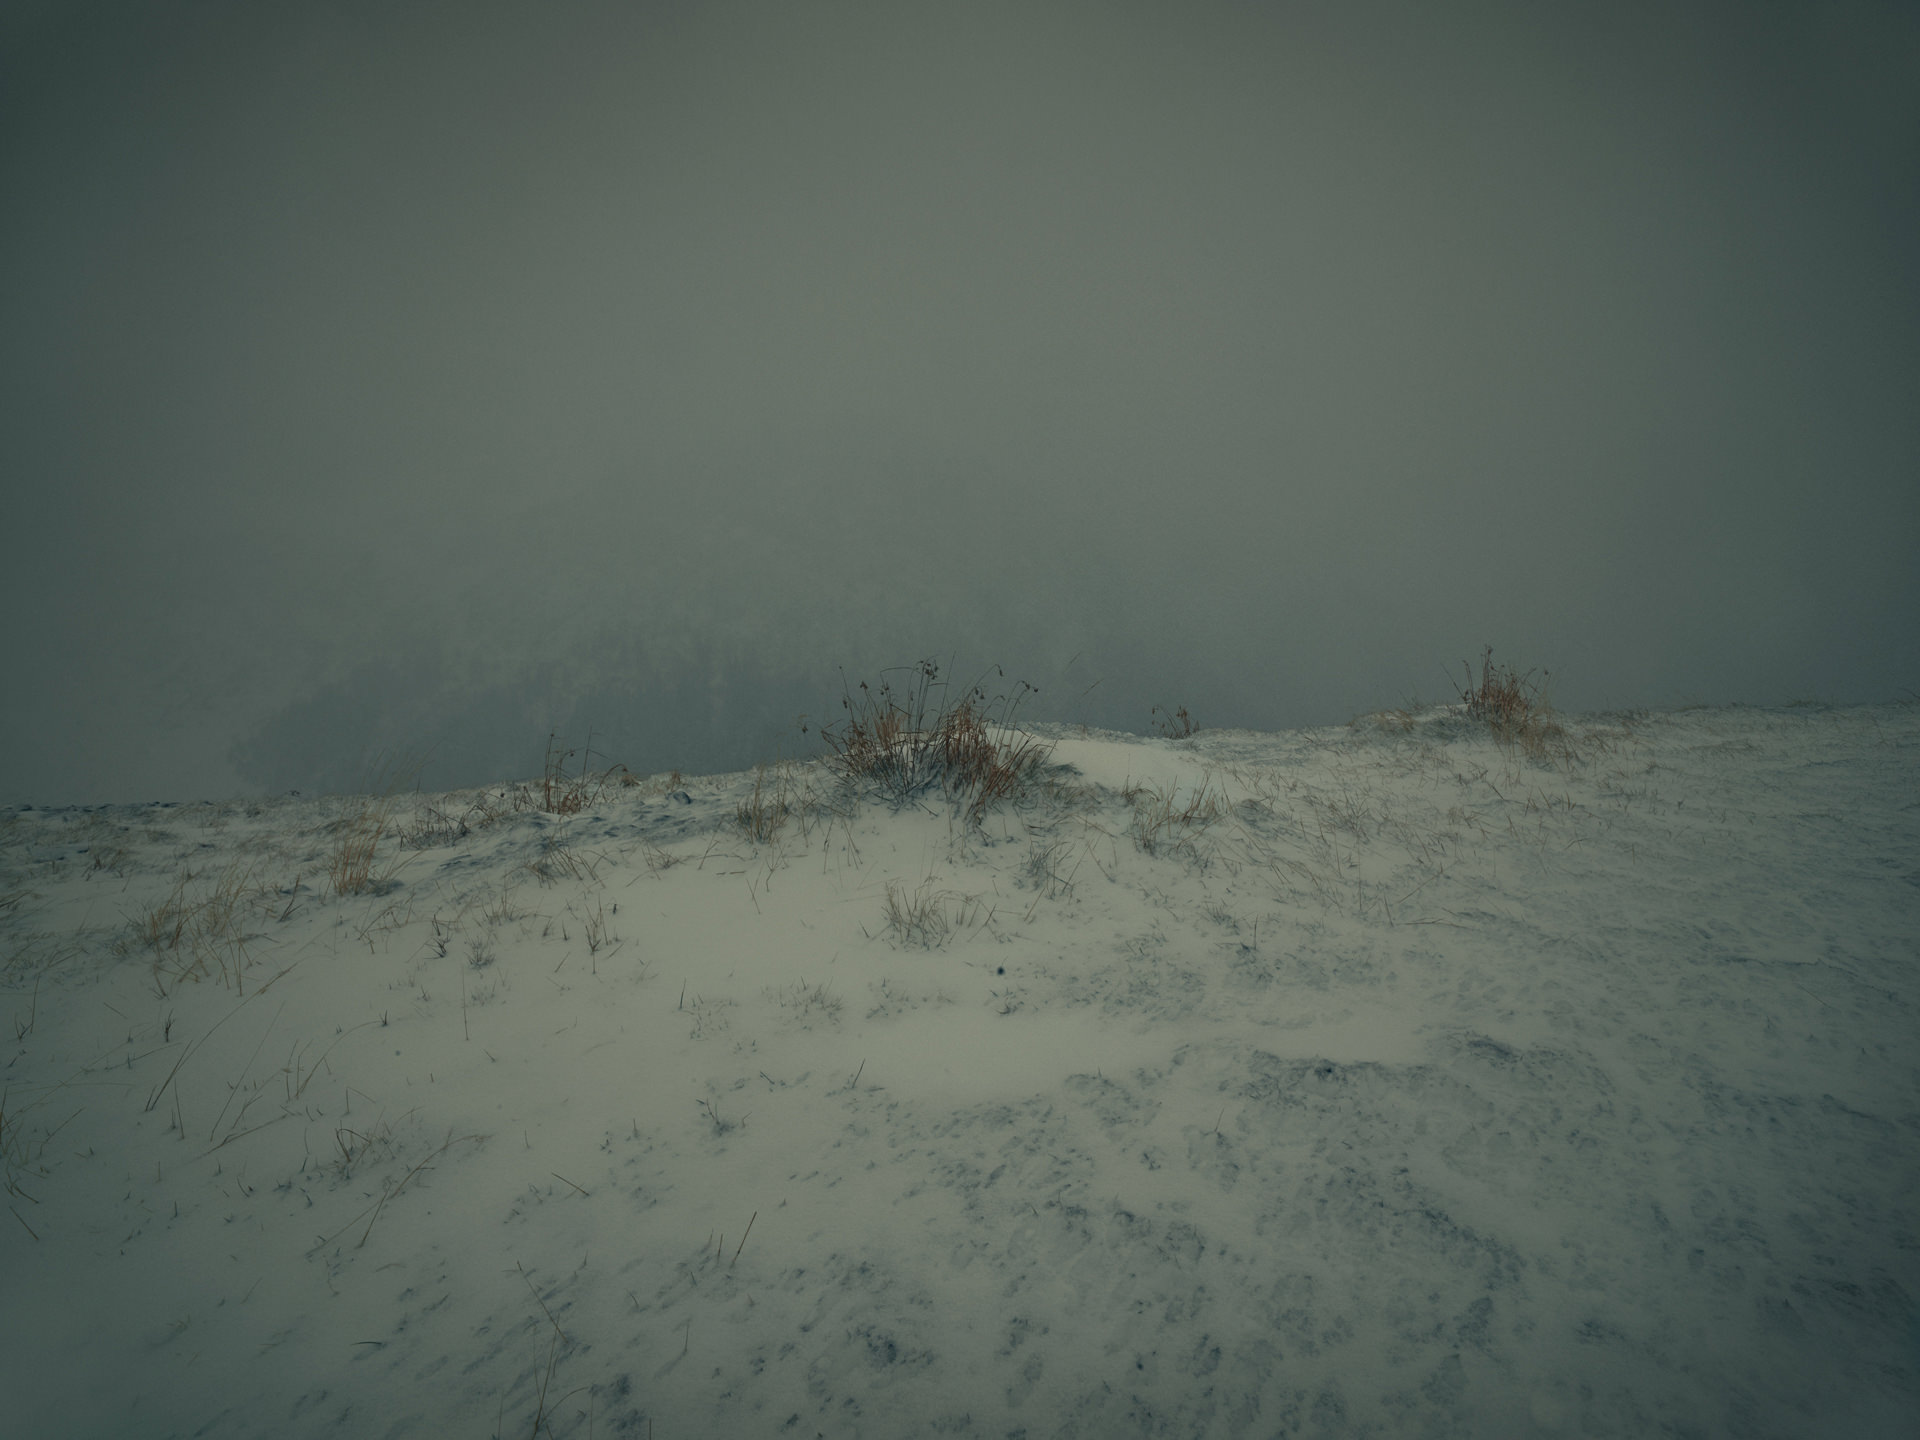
[1365, 1081]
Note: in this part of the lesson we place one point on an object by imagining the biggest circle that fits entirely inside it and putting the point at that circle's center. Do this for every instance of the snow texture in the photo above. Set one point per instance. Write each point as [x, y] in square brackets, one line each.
[1374, 1081]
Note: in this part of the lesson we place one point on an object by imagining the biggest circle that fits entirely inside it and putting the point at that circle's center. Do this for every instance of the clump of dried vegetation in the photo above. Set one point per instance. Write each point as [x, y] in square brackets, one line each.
[361, 827]
[564, 794]
[1177, 725]
[926, 917]
[1163, 824]
[556, 792]
[763, 812]
[905, 744]
[1516, 709]
[198, 932]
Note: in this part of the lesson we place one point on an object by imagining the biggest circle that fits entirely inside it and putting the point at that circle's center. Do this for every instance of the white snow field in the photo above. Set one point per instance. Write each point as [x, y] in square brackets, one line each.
[1368, 1081]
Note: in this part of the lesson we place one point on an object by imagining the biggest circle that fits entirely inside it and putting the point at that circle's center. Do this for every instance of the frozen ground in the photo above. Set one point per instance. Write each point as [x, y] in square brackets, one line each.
[1359, 1082]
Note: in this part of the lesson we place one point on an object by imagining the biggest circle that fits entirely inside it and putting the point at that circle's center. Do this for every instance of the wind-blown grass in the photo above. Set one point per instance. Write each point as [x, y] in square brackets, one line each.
[1516, 709]
[905, 745]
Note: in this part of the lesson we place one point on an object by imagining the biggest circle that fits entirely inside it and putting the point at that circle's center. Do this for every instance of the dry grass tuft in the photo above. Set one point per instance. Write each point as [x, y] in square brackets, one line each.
[361, 830]
[556, 792]
[1162, 825]
[563, 794]
[927, 917]
[435, 826]
[763, 813]
[351, 869]
[1045, 858]
[1177, 726]
[905, 745]
[1516, 709]
[193, 936]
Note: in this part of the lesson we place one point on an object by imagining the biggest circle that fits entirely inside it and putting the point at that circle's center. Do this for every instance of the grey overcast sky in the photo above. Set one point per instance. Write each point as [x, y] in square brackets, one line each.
[416, 378]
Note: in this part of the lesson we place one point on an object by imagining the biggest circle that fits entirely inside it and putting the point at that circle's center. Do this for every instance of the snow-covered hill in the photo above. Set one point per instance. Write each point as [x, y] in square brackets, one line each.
[1370, 1081]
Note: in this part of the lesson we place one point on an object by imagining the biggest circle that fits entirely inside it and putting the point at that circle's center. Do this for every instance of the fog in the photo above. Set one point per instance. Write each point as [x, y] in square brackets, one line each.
[416, 381]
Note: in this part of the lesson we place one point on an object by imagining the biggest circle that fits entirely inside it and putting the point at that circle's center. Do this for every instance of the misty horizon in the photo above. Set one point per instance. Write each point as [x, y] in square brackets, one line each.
[430, 381]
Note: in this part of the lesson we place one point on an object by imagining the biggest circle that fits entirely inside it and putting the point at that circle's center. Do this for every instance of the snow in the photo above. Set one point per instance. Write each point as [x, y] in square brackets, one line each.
[1413, 1087]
